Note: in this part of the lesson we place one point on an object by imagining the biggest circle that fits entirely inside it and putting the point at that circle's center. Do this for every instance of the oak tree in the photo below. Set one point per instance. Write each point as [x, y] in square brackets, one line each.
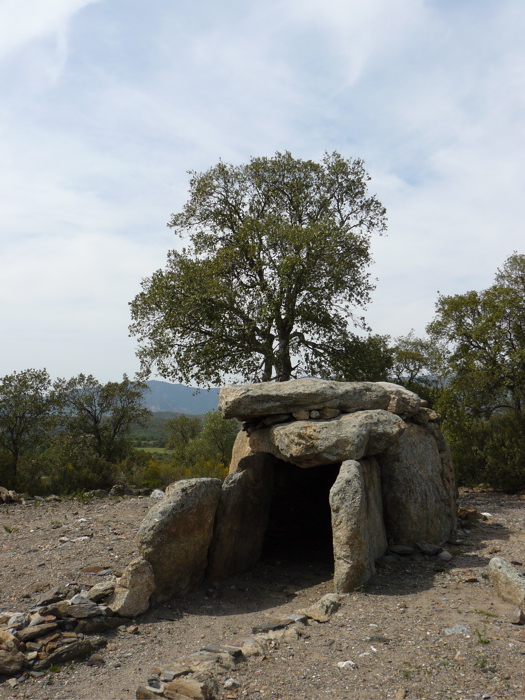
[273, 275]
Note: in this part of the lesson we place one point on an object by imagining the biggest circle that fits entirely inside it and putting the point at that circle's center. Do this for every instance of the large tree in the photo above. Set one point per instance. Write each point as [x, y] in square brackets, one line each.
[273, 272]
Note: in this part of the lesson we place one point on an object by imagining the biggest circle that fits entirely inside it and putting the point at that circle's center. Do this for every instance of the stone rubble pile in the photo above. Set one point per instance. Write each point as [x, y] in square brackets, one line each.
[57, 629]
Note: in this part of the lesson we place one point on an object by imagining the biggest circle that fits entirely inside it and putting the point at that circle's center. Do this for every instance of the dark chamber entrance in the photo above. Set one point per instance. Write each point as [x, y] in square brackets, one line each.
[299, 528]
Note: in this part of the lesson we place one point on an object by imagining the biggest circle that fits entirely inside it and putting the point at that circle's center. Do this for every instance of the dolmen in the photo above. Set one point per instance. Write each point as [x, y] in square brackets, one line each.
[391, 482]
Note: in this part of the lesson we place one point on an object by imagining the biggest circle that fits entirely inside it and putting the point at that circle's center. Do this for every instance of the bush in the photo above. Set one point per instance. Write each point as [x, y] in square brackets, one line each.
[489, 452]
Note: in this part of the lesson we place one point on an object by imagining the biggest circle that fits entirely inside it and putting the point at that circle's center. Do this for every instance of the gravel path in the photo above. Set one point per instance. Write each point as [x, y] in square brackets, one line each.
[421, 629]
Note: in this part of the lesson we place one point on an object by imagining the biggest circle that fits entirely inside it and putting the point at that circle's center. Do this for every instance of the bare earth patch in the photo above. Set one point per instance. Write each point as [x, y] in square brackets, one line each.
[421, 629]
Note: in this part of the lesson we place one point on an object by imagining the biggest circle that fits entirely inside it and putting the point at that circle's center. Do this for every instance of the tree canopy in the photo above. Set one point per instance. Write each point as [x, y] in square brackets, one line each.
[102, 413]
[27, 404]
[272, 276]
[485, 334]
[483, 402]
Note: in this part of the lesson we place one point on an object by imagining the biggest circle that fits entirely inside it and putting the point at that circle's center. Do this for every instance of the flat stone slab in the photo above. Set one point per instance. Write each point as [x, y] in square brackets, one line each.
[247, 401]
[314, 443]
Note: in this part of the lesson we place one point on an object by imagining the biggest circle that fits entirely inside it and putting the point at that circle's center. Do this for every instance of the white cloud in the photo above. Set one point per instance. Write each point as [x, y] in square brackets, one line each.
[24, 21]
[106, 109]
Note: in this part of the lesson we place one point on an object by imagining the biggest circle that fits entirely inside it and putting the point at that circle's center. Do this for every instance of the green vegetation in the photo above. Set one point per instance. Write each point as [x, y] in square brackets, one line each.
[482, 636]
[483, 402]
[196, 446]
[471, 369]
[269, 284]
[78, 435]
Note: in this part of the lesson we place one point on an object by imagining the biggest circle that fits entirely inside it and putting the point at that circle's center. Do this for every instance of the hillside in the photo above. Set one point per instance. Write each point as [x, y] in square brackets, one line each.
[177, 398]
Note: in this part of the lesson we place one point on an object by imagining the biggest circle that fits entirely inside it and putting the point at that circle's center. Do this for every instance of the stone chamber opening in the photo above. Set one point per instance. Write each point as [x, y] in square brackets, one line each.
[299, 528]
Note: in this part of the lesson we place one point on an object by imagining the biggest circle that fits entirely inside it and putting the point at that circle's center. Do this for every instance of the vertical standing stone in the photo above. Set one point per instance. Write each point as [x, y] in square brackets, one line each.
[176, 534]
[242, 514]
[357, 523]
[418, 489]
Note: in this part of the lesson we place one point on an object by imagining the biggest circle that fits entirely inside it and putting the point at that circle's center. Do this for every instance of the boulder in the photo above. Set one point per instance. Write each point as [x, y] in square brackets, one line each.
[359, 536]
[133, 591]
[509, 584]
[418, 489]
[315, 442]
[11, 662]
[242, 514]
[176, 533]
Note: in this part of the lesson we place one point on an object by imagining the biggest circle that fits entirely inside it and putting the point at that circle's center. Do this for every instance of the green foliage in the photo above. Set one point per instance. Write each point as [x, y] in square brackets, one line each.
[483, 404]
[485, 333]
[419, 365]
[275, 267]
[152, 433]
[27, 407]
[181, 431]
[200, 447]
[73, 463]
[103, 413]
[366, 359]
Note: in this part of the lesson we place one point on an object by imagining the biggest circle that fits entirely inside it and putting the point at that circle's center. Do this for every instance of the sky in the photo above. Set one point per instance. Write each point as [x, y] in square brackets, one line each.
[107, 104]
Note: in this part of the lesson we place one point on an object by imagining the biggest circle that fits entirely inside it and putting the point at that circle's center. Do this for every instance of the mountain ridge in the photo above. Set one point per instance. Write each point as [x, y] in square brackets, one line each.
[178, 398]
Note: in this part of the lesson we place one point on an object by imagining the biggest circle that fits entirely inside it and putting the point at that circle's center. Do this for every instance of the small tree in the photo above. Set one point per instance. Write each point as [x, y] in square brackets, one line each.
[275, 269]
[27, 407]
[104, 413]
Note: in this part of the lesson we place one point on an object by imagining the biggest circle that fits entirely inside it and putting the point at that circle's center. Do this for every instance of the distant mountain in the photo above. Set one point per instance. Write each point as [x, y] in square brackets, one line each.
[177, 398]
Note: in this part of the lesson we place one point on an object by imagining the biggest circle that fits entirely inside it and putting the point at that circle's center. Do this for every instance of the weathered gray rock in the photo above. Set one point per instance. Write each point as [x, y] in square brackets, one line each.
[81, 607]
[241, 449]
[29, 633]
[242, 514]
[509, 584]
[18, 621]
[176, 534]
[418, 497]
[359, 536]
[75, 650]
[101, 590]
[247, 401]
[402, 401]
[314, 443]
[11, 662]
[324, 608]
[133, 591]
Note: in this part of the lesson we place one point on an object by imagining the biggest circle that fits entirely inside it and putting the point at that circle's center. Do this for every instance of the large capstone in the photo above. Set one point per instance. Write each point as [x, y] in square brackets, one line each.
[248, 401]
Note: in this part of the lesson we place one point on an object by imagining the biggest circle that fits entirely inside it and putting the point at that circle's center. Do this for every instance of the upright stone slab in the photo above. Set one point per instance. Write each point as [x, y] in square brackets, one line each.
[418, 496]
[176, 533]
[358, 530]
[242, 514]
[131, 596]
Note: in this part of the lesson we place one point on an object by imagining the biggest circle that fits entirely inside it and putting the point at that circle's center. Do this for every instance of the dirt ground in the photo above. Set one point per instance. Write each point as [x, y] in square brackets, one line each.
[420, 629]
